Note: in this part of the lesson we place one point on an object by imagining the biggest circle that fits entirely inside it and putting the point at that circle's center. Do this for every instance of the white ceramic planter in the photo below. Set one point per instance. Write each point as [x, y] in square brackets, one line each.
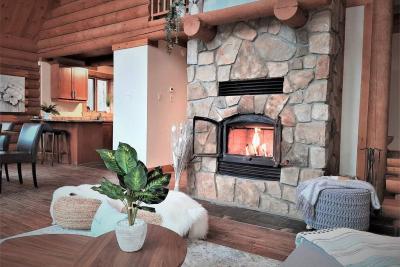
[46, 116]
[131, 238]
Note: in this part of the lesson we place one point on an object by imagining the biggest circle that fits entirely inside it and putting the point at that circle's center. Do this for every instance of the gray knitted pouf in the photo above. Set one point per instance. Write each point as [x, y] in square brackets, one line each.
[342, 208]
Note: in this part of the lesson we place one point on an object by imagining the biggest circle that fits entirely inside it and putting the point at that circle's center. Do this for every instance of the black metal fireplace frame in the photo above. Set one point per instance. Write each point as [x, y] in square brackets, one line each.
[244, 166]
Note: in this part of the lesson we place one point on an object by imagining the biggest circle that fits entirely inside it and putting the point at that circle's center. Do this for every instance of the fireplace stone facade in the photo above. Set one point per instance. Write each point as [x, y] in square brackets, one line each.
[311, 61]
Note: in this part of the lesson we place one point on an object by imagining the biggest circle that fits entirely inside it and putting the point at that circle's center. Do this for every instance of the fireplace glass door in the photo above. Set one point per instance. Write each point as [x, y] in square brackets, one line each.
[246, 145]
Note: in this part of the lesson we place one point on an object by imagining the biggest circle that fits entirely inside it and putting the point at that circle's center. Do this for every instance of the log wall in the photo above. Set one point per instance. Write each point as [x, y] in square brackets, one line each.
[20, 23]
[82, 26]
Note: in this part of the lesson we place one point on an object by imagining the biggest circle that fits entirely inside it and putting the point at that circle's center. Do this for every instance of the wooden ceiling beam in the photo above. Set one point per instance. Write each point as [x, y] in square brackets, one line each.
[70, 62]
[135, 43]
[253, 10]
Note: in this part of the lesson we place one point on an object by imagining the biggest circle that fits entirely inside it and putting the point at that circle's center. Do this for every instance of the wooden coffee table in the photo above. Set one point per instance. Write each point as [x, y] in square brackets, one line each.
[161, 248]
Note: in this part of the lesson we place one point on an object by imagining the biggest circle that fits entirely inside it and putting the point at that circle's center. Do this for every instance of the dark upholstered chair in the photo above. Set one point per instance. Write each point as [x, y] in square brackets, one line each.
[27, 147]
[5, 141]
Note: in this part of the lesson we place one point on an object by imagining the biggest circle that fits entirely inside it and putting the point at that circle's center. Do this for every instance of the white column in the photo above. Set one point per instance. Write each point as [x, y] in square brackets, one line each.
[130, 98]
[351, 89]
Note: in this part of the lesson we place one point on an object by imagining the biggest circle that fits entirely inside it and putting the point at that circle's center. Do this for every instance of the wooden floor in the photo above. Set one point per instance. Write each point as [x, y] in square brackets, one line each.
[24, 208]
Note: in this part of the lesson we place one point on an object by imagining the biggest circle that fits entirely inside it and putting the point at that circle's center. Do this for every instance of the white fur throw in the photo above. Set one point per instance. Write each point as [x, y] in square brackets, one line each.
[179, 212]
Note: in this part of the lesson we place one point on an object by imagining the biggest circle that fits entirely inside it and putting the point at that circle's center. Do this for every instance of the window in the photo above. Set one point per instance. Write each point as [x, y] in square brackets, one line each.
[98, 95]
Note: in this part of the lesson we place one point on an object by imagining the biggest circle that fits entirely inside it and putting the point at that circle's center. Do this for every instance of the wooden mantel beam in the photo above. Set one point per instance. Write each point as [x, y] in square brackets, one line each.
[291, 11]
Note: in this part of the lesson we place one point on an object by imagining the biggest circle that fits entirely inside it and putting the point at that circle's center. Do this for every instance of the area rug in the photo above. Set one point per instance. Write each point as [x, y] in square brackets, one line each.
[199, 254]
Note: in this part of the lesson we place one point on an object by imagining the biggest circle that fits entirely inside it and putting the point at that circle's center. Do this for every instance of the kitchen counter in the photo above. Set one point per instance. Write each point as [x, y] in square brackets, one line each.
[84, 137]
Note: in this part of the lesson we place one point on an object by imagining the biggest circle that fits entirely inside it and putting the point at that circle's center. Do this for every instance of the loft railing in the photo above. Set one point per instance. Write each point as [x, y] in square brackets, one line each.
[160, 8]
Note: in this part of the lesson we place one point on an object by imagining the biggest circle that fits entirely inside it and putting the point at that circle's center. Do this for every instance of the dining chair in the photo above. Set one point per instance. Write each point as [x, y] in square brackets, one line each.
[5, 141]
[26, 152]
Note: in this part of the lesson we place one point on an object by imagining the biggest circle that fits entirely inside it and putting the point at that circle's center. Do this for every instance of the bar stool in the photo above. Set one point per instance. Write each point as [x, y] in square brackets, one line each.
[63, 146]
[59, 144]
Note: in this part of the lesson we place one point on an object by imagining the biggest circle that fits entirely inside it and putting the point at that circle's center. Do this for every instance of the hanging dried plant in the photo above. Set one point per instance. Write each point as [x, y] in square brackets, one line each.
[173, 20]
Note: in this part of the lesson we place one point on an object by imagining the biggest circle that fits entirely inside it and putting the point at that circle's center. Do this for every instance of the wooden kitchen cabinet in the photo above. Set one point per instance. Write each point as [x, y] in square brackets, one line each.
[69, 83]
[80, 83]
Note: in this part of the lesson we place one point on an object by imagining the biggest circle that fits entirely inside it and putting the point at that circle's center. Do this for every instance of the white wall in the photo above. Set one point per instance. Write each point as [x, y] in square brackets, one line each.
[144, 108]
[164, 108]
[130, 99]
[351, 89]
[394, 105]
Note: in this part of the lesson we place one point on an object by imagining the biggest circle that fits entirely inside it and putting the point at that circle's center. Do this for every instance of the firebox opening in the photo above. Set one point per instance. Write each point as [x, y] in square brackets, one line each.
[252, 140]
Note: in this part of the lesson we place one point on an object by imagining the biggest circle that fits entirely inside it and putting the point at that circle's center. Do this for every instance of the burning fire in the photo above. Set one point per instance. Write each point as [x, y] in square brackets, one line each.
[256, 148]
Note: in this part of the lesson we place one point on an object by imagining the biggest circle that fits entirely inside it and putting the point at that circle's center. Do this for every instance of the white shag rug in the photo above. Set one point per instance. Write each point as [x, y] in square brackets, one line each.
[199, 253]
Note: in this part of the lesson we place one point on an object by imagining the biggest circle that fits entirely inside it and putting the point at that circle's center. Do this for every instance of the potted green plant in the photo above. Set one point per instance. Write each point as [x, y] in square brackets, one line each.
[49, 110]
[136, 186]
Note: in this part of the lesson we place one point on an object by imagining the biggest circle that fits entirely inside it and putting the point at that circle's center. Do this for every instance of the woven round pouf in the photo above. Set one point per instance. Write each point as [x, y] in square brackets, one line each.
[74, 212]
[348, 208]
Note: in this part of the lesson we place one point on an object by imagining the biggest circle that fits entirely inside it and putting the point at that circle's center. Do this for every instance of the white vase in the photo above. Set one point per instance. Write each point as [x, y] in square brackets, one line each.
[131, 238]
[46, 116]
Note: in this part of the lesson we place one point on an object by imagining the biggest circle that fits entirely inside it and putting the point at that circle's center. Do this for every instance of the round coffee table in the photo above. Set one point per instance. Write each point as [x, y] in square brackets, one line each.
[161, 248]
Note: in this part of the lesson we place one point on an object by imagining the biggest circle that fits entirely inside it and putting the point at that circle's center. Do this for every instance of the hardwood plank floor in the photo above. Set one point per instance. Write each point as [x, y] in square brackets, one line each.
[24, 208]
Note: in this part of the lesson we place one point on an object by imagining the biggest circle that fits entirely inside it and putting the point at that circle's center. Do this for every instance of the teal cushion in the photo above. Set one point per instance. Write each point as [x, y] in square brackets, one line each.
[106, 219]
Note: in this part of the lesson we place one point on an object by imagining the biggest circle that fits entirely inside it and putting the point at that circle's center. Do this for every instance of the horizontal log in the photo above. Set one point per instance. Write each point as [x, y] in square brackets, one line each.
[32, 93]
[19, 63]
[352, 3]
[64, 2]
[32, 84]
[198, 26]
[136, 43]
[290, 13]
[106, 19]
[18, 43]
[34, 103]
[99, 43]
[75, 6]
[12, 53]
[197, 29]
[19, 72]
[32, 110]
[90, 34]
[92, 12]
[253, 10]
[100, 75]
[18, 119]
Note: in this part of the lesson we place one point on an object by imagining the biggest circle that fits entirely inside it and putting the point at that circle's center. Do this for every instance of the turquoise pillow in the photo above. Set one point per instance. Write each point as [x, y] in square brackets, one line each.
[106, 219]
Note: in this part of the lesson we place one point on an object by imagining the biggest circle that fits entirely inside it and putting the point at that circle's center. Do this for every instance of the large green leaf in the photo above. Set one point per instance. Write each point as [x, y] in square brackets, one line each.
[159, 181]
[136, 179]
[155, 173]
[109, 189]
[153, 197]
[126, 157]
[108, 156]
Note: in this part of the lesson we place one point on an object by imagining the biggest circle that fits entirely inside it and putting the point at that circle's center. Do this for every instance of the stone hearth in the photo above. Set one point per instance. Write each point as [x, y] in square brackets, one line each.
[311, 61]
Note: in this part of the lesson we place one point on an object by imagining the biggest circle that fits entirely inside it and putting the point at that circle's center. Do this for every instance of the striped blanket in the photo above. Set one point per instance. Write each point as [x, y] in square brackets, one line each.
[355, 248]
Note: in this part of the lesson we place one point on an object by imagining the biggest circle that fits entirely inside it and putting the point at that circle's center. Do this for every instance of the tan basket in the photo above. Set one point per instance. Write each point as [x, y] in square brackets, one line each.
[74, 212]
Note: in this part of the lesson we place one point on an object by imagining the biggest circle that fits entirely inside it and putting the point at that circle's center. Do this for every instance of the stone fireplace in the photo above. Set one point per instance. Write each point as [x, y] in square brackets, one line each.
[252, 149]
